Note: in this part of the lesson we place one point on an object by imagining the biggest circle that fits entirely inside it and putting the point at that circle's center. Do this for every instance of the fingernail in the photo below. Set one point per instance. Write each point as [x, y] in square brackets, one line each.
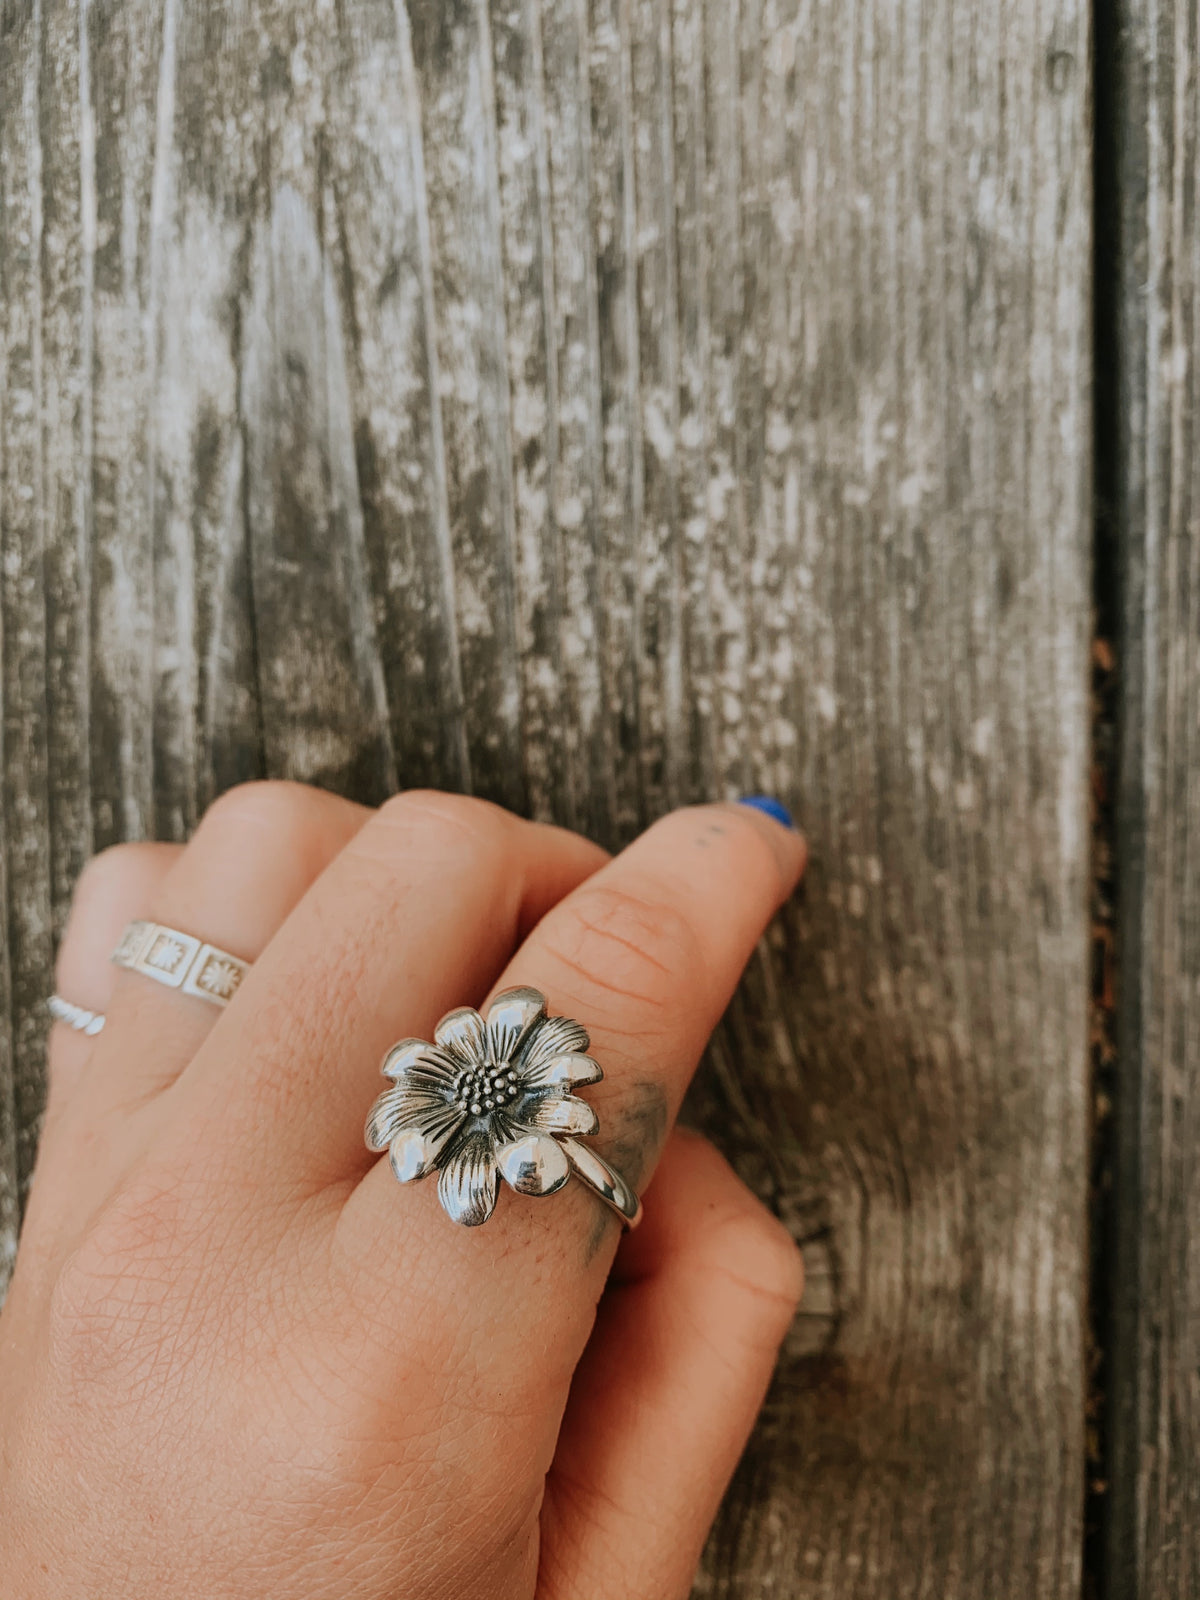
[774, 809]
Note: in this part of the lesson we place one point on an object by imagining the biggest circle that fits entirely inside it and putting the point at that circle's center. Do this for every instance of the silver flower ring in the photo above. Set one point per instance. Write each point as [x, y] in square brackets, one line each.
[493, 1098]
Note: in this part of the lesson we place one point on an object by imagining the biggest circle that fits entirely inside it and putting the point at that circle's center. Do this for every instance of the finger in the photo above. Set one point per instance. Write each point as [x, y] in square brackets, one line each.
[670, 1384]
[256, 851]
[73, 1153]
[646, 954]
[114, 888]
[416, 915]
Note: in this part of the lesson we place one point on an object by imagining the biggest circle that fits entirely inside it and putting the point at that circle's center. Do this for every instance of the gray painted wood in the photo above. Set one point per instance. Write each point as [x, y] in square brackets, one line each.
[1154, 1492]
[600, 404]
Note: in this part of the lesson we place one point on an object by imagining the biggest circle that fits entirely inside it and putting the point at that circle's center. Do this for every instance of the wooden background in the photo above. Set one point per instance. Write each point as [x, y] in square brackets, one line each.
[601, 404]
[1153, 1547]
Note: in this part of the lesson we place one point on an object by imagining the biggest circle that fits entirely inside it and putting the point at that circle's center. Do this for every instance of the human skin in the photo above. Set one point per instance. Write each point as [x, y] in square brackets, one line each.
[238, 1359]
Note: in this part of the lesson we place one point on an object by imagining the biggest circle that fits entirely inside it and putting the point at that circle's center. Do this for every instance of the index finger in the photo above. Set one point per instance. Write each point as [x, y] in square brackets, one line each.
[646, 956]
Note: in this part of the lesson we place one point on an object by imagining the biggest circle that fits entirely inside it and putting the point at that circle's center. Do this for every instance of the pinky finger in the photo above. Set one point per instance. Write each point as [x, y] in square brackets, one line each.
[115, 887]
[668, 1389]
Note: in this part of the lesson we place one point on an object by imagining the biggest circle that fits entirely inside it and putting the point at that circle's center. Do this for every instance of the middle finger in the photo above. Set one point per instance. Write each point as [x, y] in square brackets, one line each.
[417, 913]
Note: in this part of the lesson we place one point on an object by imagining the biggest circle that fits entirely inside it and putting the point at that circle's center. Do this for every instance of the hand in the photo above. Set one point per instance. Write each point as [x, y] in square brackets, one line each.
[238, 1359]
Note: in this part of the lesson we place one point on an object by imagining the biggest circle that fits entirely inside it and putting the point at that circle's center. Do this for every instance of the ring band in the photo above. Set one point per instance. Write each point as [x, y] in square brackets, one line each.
[493, 1098]
[180, 961]
[77, 1017]
[605, 1181]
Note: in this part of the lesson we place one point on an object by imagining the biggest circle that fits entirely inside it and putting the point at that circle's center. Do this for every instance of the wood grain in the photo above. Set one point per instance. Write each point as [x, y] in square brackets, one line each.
[911, 266]
[601, 404]
[1154, 1493]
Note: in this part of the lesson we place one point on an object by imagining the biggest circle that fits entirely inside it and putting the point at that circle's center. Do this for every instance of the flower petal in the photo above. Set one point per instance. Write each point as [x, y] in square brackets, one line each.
[563, 1072]
[417, 1059]
[556, 1036]
[535, 1164]
[510, 1017]
[560, 1114]
[462, 1034]
[414, 1151]
[405, 1105]
[468, 1183]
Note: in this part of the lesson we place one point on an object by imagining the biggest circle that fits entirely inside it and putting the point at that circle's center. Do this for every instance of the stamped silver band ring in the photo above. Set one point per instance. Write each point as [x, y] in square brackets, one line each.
[493, 1098]
[181, 961]
[178, 960]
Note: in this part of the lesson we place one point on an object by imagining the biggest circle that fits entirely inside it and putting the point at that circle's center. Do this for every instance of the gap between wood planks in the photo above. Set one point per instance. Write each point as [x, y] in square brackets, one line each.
[1105, 666]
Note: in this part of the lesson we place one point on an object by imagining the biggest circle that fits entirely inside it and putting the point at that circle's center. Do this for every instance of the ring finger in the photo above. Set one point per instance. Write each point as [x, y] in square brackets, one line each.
[257, 850]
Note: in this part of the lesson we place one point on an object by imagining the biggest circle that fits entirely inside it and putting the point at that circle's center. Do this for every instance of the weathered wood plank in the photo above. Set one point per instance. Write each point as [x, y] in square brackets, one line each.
[910, 250]
[376, 171]
[1154, 1406]
[35, 454]
[603, 404]
[125, 49]
[207, 731]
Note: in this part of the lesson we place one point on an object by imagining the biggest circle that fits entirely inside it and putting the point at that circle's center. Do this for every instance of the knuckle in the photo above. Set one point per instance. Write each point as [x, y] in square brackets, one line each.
[114, 881]
[756, 1255]
[107, 872]
[642, 949]
[439, 822]
[268, 804]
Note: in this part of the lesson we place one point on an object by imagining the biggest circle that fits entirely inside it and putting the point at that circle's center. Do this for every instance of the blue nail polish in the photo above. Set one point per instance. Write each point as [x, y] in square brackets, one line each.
[774, 809]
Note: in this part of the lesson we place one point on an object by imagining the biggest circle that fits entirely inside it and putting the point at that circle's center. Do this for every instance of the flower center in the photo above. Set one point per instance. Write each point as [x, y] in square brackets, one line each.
[484, 1088]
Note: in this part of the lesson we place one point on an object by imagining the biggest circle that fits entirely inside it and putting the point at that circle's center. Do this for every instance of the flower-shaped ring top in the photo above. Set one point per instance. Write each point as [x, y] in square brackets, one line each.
[492, 1099]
